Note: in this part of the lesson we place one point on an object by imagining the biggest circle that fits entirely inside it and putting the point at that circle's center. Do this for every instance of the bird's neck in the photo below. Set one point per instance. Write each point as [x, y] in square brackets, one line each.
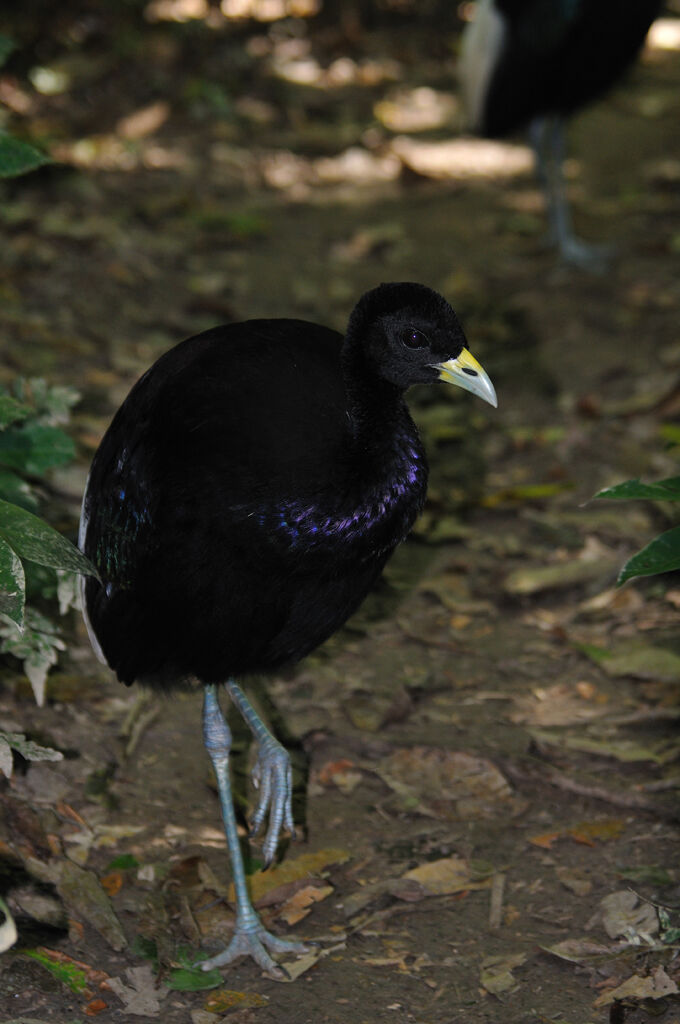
[376, 409]
[384, 448]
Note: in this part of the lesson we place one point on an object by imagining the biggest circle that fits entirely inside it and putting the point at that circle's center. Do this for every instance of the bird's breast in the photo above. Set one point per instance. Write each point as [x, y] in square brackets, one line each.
[372, 512]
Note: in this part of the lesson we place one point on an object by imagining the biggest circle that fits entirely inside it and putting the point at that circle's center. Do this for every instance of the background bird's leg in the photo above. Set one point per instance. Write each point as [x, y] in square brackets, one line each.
[537, 133]
[250, 937]
[272, 774]
[547, 139]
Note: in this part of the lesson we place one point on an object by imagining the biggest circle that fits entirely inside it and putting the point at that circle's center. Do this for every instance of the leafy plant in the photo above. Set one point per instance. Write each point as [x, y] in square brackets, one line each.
[663, 553]
[31, 444]
[8, 929]
[16, 157]
[29, 750]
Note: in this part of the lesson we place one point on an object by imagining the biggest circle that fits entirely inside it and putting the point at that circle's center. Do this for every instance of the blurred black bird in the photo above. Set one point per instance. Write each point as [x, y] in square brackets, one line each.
[534, 63]
[243, 502]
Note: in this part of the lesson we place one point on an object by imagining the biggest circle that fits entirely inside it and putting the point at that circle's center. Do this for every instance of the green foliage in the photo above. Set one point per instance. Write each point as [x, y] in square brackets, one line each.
[124, 862]
[188, 977]
[663, 553]
[16, 157]
[8, 929]
[662, 490]
[30, 537]
[68, 974]
[29, 750]
[36, 644]
[31, 444]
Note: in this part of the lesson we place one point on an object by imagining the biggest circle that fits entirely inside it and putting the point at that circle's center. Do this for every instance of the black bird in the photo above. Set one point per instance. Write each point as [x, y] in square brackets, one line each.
[534, 63]
[242, 504]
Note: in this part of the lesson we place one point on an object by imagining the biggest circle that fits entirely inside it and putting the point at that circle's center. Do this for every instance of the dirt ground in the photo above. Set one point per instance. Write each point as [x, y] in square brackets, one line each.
[487, 755]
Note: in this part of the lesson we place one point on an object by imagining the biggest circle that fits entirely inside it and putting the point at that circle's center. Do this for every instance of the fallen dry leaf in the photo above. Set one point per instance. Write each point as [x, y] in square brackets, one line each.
[223, 999]
[561, 704]
[574, 880]
[95, 1007]
[299, 905]
[83, 894]
[579, 951]
[448, 875]
[141, 997]
[308, 960]
[586, 832]
[448, 784]
[545, 840]
[536, 579]
[305, 866]
[112, 883]
[625, 915]
[646, 662]
[407, 889]
[404, 960]
[656, 985]
[341, 773]
[496, 973]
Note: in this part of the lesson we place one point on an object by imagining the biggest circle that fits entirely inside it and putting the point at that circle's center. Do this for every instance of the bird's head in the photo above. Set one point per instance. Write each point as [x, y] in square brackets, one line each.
[408, 334]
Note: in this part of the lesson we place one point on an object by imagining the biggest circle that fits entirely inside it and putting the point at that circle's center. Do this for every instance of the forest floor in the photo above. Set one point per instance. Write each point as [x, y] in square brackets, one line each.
[488, 753]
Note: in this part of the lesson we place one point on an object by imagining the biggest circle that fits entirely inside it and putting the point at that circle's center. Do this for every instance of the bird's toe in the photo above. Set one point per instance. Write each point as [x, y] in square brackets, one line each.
[257, 943]
[274, 777]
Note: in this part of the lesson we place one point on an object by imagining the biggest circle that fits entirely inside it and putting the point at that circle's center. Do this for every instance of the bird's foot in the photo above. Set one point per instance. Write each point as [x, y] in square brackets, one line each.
[254, 942]
[593, 258]
[273, 777]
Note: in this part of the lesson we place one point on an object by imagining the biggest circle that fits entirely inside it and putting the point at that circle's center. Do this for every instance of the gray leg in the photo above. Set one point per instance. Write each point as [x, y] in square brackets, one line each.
[250, 937]
[547, 138]
[272, 775]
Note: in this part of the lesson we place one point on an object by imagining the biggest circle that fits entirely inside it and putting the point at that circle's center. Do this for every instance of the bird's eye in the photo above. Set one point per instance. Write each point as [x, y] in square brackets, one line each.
[413, 338]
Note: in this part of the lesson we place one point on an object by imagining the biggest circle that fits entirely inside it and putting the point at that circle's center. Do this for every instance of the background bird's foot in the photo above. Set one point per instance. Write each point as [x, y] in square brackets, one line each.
[273, 776]
[255, 942]
[593, 258]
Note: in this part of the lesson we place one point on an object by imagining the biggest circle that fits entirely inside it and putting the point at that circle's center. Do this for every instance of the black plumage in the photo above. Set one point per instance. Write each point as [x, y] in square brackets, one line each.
[245, 499]
[533, 63]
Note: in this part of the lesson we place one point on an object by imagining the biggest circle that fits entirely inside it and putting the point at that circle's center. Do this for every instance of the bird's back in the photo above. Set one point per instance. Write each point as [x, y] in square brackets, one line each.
[223, 512]
[551, 56]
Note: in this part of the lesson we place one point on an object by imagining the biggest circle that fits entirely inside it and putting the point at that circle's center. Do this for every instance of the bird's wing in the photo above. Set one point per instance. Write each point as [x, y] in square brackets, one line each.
[118, 514]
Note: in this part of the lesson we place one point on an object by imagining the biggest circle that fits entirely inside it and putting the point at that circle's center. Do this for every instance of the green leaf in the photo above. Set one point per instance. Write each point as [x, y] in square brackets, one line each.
[649, 874]
[598, 654]
[28, 749]
[8, 929]
[662, 490]
[6, 47]
[146, 948]
[661, 555]
[12, 585]
[17, 157]
[11, 411]
[35, 448]
[68, 974]
[17, 491]
[36, 647]
[192, 979]
[670, 432]
[35, 540]
[125, 862]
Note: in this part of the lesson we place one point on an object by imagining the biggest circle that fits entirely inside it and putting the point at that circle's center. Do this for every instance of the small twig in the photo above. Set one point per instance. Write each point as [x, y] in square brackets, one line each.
[496, 903]
[630, 801]
[137, 722]
[644, 715]
[423, 641]
[659, 785]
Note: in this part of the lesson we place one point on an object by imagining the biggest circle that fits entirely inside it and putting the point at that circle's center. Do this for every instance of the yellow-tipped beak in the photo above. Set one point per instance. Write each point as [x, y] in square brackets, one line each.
[467, 373]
